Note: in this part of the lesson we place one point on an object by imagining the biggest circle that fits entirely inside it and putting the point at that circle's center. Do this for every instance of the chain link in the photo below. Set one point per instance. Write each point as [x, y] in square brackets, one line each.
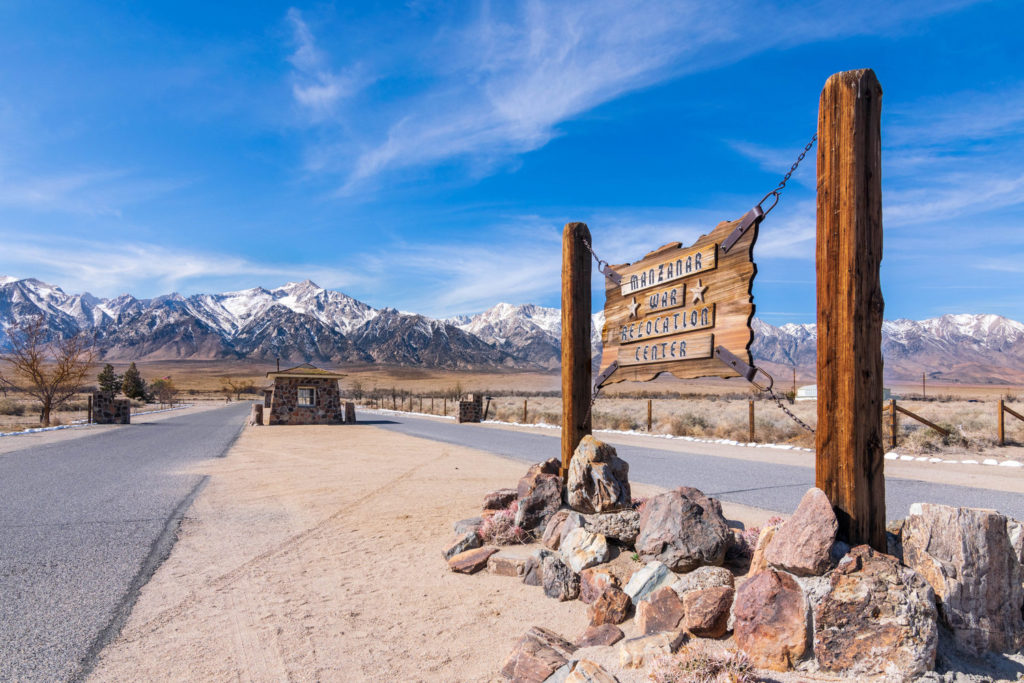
[792, 169]
[789, 412]
[593, 253]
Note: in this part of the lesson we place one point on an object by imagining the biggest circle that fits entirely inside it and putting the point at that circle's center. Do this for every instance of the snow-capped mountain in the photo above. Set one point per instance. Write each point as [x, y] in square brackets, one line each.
[301, 321]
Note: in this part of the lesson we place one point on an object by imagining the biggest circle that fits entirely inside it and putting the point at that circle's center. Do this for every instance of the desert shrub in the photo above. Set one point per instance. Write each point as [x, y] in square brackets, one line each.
[698, 663]
[545, 417]
[689, 424]
[75, 406]
[9, 407]
[621, 423]
[500, 528]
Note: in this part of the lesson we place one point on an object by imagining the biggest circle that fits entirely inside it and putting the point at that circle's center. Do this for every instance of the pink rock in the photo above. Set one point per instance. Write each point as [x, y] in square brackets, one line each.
[684, 529]
[593, 582]
[661, 611]
[536, 656]
[605, 634]
[771, 620]
[802, 544]
[471, 561]
[598, 480]
[707, 611]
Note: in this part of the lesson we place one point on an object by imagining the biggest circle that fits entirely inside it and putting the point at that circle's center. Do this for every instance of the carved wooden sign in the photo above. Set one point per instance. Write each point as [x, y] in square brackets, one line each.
[674, 306]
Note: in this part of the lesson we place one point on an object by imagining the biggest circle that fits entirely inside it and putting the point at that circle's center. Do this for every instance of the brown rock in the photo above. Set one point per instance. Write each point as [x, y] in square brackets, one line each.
[635, 651]
[684, 529]
[471, 524]
[801, 545]
[771, 620]
[661, 611]
[533, 572]
[471, 561]
[593, 582]
[966, 556]
[707, 611]
[611, 607]
[536, 656]
[587, 671]
[543, 501]
[758, 563]
[552, 537]
[505, 563]
[560, 582]
[878, 618]
[500, 499]
[1015, 532]
[529, 480]
[598, 480]
[603, 634]
[467, 541]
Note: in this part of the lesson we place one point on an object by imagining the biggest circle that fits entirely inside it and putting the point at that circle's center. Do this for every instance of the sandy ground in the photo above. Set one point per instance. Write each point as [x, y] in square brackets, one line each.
[314, 553]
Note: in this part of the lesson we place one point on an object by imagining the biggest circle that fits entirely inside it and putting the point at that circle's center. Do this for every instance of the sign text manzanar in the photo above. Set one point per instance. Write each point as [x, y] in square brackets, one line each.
[676, 305]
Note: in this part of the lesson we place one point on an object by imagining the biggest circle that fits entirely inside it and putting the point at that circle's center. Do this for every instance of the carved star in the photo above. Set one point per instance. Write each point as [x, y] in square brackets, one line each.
[632, 308]
[698, 292]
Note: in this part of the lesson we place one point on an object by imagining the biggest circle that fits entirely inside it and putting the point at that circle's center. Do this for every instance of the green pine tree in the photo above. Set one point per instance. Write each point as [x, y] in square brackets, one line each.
[109, 381]
[133, 386]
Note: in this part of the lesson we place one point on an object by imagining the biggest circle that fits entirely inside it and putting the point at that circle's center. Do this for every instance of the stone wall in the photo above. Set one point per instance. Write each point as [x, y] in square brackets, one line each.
[285, 408]
[107, 410]
[472, 409]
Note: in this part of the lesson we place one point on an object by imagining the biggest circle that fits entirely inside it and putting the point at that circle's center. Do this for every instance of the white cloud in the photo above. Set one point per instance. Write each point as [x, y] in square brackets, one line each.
[314, 85]
[89, 192]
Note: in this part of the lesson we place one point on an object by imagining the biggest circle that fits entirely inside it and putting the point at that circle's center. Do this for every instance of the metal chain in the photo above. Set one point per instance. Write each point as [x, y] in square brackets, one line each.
[601, 264]
[792, 169]
[789, 412]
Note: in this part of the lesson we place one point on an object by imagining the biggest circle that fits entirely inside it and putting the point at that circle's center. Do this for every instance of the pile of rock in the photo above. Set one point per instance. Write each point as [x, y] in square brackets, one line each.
[807, 599]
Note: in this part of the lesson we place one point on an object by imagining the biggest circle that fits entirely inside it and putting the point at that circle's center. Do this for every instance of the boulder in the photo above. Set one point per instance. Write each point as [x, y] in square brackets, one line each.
[621, 525]
[611, 607]
[1015, 531]
[552, 536]
[593, 582]
[536, 656]
[500, 499]
[471, 524]
[706, 611]
[802, 544]
[543, 501]
[878, 618]
[684, 529]
[966, 556]
[467, 541]
[603, 634]
[471, 561]
[648, 579]
[661, 611]
[771, 620]
[529, 480]
[507, 563]
[582, 549]
[758, 563]
[587, 671]
[635, 651]
[598, 479]
[560, 582]
[533, 573]
[573, 521]
[701, 578]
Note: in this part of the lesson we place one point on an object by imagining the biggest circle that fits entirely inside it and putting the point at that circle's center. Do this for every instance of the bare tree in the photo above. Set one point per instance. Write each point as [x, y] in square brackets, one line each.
[49, 371]
[237, 387]
[164, 390]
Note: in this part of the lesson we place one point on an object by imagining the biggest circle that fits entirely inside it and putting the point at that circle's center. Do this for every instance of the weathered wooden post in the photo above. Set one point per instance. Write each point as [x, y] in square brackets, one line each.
[89, 416]
[524, 410]
[445, 408]
[894, 425]
[1001, 422]
[576, 372]
[849, 465]
[649, 415]
[750, 420]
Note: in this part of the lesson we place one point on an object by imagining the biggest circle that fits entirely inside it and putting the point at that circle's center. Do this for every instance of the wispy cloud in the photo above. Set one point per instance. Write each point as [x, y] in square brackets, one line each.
[147, 269]
[89, 192]
[315, 85]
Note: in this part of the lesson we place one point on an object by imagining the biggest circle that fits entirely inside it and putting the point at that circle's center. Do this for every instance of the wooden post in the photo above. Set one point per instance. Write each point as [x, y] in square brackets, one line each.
[750, 419]
[576, 372]
[524, 410]
[649, 420]
[923, 394]
[849, 463]
[894, 425]
[89, 417]
[445, 409]
[1000, 421]
[794, 381]
[431, 405]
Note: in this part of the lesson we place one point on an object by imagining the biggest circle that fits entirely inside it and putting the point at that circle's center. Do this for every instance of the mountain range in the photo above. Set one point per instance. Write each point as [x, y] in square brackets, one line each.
[302, 322]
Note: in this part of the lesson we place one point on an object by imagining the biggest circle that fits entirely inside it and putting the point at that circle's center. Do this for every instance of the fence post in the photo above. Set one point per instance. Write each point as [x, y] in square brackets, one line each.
[445, 405]
[576, 372]
[894, 426]
[1002, 417]
[524, 411]
[649, 421]
[750, 419]
[849, 464]
[89, 418]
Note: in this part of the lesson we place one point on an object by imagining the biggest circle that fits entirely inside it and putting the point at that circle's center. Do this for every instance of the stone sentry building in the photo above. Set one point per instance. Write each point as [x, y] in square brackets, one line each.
[303, 395]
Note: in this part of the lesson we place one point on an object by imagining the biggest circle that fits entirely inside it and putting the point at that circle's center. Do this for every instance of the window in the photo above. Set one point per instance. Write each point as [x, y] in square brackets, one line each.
[307, 396]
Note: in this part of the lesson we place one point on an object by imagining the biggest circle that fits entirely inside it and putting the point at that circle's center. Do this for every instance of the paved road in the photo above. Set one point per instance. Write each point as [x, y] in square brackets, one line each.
[763, 485]
[83, 525]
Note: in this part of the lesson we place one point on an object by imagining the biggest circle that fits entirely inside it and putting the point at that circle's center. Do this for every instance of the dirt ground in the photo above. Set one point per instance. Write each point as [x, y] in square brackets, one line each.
[314, 553]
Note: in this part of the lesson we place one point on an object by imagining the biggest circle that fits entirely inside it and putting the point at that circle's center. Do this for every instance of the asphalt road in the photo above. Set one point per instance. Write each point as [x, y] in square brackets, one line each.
[83, 525]
[762, 485]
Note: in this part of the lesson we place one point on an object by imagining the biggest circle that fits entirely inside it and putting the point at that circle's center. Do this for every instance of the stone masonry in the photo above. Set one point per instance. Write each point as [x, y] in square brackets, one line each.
[107, 410]
[472, 409]
[285, 408]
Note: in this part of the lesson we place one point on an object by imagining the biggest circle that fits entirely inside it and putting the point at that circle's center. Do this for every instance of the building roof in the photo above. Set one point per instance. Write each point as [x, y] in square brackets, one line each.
[305, 370]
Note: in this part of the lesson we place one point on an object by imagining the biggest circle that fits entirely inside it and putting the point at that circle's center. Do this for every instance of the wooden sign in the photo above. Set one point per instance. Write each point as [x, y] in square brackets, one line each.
[673, 307]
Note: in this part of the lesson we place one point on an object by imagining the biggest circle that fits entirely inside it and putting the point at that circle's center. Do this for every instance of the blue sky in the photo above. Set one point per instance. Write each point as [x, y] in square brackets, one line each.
[425, 155]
